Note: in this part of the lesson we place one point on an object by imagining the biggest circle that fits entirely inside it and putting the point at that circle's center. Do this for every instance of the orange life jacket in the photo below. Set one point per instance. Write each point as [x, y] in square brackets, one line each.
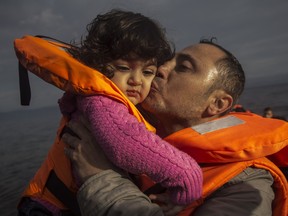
[232, 146]
[49, 61]
[228, 145]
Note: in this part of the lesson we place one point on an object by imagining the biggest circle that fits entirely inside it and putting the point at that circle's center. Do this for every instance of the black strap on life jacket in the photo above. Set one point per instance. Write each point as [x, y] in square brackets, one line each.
[60, 190]
[62, 193]
[25, 90]
[54, 39]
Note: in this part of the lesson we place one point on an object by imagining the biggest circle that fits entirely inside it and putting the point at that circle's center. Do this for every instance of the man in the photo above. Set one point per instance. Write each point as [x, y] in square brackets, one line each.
[268, 113]
[191, 98]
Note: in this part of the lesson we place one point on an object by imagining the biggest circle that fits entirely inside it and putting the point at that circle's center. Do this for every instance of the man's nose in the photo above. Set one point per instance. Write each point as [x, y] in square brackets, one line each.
[164, 70]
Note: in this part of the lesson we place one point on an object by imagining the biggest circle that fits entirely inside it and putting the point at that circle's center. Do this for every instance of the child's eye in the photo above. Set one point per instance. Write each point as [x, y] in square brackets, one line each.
[149, 72]
[122, 68]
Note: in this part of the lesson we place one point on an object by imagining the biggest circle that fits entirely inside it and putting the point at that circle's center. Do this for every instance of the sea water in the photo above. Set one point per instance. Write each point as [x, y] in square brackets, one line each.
[25, 139]
[26, 136]
[275, 96]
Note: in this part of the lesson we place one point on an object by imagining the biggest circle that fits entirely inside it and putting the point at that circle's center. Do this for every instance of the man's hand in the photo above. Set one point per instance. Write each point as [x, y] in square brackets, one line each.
[168, 208]
[86, 155]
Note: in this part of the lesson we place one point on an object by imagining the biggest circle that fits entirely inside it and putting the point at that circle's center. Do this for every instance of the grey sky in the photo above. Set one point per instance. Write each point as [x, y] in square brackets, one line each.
[254, 30]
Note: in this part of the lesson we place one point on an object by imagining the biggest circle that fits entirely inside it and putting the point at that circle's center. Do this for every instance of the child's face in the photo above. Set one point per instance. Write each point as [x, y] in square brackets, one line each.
[134, 77]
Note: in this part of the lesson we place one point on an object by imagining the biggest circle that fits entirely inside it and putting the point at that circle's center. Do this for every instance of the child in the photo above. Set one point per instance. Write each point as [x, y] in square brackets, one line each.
[127, 48]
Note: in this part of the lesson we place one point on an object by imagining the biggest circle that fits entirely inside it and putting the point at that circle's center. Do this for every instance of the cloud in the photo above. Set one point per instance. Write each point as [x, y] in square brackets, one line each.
[254, 31]
[46, 17]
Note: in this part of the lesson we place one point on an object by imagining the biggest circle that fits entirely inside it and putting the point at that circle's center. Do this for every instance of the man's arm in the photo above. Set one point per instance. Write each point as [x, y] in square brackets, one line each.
[110, 193]
[249, 193]
[106, 189]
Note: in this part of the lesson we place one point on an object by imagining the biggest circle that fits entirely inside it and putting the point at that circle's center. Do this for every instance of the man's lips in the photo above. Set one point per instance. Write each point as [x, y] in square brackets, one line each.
[154, 87]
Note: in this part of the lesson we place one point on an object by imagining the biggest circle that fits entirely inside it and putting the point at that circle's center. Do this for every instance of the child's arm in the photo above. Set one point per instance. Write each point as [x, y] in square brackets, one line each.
[131, 147]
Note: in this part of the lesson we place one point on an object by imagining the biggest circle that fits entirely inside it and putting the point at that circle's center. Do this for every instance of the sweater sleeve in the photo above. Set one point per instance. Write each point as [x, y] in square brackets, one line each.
[128, 144]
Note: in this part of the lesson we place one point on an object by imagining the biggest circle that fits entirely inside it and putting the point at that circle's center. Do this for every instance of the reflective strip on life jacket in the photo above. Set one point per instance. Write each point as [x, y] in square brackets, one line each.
[218, 124]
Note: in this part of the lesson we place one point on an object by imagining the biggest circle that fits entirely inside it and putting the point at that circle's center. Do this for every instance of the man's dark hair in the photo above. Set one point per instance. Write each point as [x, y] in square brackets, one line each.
[231, 74]
[116, 34]
[266, 109]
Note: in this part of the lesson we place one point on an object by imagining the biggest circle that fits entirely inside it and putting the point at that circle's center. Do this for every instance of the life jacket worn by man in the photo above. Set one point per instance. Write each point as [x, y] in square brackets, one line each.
[228, 145]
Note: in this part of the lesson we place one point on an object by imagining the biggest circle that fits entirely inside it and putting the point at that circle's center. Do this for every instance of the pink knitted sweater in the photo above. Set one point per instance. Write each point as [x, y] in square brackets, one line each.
[130, 146]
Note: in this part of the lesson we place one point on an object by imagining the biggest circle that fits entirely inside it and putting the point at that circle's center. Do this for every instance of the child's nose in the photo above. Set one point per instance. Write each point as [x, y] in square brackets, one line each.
[135, 78]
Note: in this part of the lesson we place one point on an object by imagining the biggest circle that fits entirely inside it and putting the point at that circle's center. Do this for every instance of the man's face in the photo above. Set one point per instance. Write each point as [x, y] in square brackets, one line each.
[268, 114]
[179, 92]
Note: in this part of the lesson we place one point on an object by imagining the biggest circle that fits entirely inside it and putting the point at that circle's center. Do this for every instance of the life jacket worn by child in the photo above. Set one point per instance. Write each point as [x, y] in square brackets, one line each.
[48, 60]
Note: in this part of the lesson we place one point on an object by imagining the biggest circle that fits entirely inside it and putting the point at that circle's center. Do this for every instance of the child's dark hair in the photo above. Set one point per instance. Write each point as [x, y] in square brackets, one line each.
[117, 34]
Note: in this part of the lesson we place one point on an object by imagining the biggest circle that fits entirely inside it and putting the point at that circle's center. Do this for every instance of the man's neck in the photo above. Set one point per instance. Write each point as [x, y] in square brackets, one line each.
[164, 131]
[166, 127]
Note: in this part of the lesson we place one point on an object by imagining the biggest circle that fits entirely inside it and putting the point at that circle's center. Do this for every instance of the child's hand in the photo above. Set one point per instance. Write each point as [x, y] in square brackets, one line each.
[166, 205]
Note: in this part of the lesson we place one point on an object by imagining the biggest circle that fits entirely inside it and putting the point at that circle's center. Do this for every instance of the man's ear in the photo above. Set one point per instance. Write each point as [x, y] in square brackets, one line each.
[219, 103]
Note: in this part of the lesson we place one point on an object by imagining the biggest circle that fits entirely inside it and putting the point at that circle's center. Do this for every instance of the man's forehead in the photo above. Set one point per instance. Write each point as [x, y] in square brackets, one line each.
[201, 49]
